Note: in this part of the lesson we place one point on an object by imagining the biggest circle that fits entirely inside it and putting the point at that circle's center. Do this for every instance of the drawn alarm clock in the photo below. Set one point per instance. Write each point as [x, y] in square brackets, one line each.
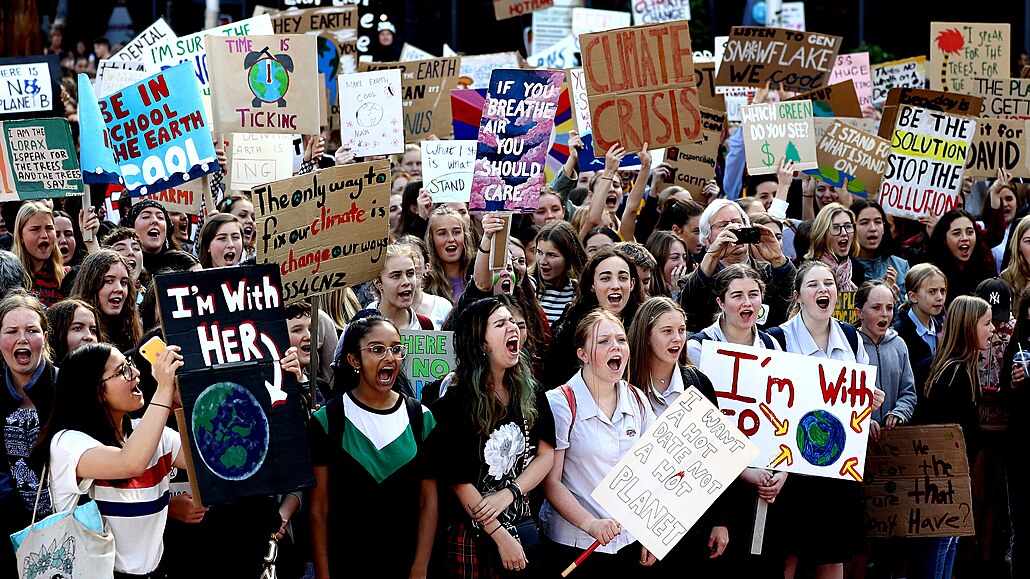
[268, 76]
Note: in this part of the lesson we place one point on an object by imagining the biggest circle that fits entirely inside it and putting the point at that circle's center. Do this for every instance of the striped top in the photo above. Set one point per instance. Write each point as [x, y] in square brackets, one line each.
[554, 300]
[135, 509]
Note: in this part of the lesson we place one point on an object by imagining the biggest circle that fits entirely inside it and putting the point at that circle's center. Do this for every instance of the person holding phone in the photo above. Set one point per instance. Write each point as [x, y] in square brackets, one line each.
[720, 223]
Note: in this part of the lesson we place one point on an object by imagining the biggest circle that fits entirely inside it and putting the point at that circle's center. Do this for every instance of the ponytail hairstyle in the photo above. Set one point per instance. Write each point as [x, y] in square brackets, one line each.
[918, 275]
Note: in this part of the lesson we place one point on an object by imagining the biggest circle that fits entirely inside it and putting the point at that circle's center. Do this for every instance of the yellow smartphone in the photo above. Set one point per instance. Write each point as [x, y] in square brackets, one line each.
[151, 349]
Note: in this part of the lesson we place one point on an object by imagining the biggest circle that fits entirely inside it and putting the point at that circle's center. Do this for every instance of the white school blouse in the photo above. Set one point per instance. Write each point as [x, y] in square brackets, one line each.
[799, 341]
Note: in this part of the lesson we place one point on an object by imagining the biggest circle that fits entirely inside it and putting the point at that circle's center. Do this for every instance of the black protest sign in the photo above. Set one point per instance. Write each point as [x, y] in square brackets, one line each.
[243, 412]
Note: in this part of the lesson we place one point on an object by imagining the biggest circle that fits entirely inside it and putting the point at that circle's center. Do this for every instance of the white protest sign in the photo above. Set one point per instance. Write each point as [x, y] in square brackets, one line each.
[924, 169]
[807, 415]
[854, 66]
[26, 88]
[258, 158]
[789, 15]
[371, 112]
[774, 131]
[447, 168]
[910, 72]
[412, 52]
[674, 472]
[114, 75]
[479, 67]
[157, 32]
[550, 25]
[587, 20]
[578, 95]
[561, 55]
[191, 48]
[652, 11]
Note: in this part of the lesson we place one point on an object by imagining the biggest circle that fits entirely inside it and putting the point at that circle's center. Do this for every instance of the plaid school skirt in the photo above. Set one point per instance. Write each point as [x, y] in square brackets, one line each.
[463, 556]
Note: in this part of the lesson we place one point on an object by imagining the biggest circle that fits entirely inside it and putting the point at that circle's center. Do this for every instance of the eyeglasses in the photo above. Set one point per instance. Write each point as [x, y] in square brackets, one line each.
[839, 228]
[378, 351]
[125, 371]
[724, 224]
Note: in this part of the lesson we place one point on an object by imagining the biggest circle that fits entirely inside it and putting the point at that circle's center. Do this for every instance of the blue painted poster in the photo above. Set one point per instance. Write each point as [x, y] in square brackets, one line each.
[243, 412]
[149, 136]
[514, 137]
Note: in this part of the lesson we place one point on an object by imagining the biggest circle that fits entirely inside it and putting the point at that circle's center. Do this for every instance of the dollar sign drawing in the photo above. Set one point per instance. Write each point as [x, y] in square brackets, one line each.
[767, 157]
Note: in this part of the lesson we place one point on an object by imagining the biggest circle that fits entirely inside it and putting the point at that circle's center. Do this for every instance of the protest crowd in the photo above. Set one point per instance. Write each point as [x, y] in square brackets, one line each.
[660, 311]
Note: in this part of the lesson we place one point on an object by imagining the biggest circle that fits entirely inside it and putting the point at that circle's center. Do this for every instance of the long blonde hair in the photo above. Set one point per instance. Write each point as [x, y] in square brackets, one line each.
[437, 282]
[821, 231]
[29, 210]
[1018, 271]
[959, 341]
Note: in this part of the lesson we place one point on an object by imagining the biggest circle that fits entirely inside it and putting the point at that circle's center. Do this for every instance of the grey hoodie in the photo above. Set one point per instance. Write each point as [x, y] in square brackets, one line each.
[893, 376]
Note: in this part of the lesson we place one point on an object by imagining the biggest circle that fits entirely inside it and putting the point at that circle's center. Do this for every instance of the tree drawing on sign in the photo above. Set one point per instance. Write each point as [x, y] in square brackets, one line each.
[949, 42]
[792, 153]
[268, 76]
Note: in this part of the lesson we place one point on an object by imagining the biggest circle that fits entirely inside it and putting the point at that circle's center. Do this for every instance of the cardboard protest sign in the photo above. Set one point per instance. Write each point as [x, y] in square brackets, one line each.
[951, 103]
[654, 11]
[425, 87]
[476, 69]
[675, 472]
[783, 59]
[774, 131]
[917, 483]
[924, 169]
[150, 136]
[845, 310]
[908, 72]
[411, 52]
[114, 75]
[371, 112]
[560, 55]
[1004, 98]
[244, 417]
[961, 51]
[336, 30]
[38, 160]
[430, 356]
[694, 164]
[447, 168]
[706, 95]
[504, 9]
[156, 33]
[257, 158]
[835, 100]
[30, 87]
[580, 104]
[186, 198]
[643, 92]
[192, 49]
[514, 137]
[846, 153]
[855, 67]
[807, 415]
[999, 144]
[324, 241]
[822, 124]
[266, 84]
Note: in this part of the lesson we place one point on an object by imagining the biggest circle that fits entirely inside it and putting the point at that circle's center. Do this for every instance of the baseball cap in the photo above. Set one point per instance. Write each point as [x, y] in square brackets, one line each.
[996, 293]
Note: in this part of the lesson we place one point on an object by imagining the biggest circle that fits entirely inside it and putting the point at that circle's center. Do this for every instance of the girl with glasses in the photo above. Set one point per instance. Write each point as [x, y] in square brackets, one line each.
[94, 449]
[371, 475]
[833, 243]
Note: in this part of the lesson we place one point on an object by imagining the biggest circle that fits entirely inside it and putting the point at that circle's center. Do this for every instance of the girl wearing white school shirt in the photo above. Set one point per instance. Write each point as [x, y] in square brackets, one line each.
[609, 415]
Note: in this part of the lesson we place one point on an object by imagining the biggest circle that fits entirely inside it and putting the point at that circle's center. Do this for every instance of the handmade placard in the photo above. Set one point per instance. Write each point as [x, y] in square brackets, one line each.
[908, 72]
[962, 51]
[999, 144]
[951, 103]
[257, 158]
[187, 198]
[563, 55]
[336, 30]
[38, 160]
[327, 229]
[447, 168]
[476, 69]
[430, 356]
[192, 49]
[694, 164]
[773, 132]
[30, 87]
[855, 67]
[426, 86]
[372, 113]
[243, 412]
[835, 100]
[580, 104]
[706, 95]
[1004, 98]
[675, 472]
[114, 75]
[917, 483]
[266, 84]
[641, 90]
[847, 153]
[150, 136]
[514, 137]
[790, 60]
[654, 11]
[807, 415]
[154, 34]
[924, 169]
[504, 9]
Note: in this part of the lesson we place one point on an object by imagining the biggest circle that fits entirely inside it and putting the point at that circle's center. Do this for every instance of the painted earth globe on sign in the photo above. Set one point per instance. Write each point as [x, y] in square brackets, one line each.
[269, 80]
[328, 64]
[231, 430]
[821, 438]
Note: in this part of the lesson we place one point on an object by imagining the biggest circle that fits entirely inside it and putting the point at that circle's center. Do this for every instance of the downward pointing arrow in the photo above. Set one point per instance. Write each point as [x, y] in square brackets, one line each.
[781, 427]
[275, 391]
[857, 418]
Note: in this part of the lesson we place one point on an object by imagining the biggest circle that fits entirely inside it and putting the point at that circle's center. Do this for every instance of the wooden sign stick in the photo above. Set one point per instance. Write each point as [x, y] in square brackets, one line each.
[499, 243]
[758, 535]
[316, 303]
[87, 234]
[187, 452]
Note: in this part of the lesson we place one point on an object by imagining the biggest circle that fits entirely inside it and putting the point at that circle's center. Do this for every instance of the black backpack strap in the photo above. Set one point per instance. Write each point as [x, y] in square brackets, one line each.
[767, 340]
[334, 413]
[852, 335]
[700, 336]
[776, 333]
[415, 418]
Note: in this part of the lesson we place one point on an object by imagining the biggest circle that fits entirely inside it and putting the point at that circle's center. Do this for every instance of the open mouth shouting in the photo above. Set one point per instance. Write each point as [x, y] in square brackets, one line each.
[387, 373]
[451, 249]
[615, 363]
[44, 247]
[611, 201]
[248, 232]
[746, 314]
[405, 296]
[506, 284]
[615, 300]
[22, 356]
[823, 302]
[229, 257]
[965, 250]
[64, 252]
[512, 345]
[154, 234]
[843, 245]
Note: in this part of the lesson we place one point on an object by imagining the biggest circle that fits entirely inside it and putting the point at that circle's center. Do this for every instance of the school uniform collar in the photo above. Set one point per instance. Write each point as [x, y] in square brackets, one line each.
[28, 386]
[922, 330]
[808, 345]
[586, 407]
[675, 384]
